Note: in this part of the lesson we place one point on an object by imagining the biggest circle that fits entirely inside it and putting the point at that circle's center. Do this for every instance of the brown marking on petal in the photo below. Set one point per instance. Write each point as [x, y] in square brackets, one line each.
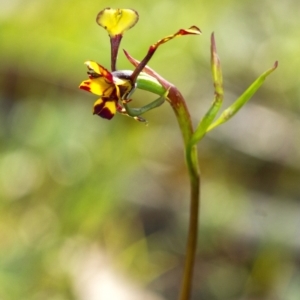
[105, 113]
[93, 74]
[98, 107]
[105, 108]
[105, 73]
[86, 88]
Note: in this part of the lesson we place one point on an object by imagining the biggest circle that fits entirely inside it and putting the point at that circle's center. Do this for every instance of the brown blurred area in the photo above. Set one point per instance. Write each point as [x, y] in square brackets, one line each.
[92, 209]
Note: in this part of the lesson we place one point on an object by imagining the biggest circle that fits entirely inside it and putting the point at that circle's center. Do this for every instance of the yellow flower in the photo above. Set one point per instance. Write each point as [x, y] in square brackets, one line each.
[117, 21]
[115, 87]
[103, 83]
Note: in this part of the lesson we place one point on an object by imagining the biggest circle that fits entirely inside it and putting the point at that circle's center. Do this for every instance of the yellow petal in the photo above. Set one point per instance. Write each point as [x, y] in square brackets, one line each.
[111, 106]
[98, 69]
[98, 86]
[105, 109]
[116, 21]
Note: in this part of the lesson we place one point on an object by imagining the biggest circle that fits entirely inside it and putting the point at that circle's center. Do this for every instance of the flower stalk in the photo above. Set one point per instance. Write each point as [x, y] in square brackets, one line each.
[183, 118]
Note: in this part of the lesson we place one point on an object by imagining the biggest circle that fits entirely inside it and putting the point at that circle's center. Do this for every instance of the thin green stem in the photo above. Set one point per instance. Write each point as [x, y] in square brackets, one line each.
[182, 114]
[191, 158]
[192, 164]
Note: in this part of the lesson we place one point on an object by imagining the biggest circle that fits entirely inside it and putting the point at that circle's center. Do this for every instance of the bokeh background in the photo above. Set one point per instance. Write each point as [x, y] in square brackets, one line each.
[93, 209]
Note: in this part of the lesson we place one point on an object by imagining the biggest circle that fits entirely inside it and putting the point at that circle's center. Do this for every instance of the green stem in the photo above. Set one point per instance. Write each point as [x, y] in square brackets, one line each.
[191, 157]
[194, 174]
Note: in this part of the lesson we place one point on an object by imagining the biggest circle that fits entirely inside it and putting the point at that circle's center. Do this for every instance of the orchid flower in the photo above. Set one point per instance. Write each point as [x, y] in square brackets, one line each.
[116, 87]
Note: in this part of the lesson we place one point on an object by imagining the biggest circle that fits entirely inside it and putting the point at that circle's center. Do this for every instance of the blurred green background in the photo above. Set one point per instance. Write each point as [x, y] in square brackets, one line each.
[95, 209]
